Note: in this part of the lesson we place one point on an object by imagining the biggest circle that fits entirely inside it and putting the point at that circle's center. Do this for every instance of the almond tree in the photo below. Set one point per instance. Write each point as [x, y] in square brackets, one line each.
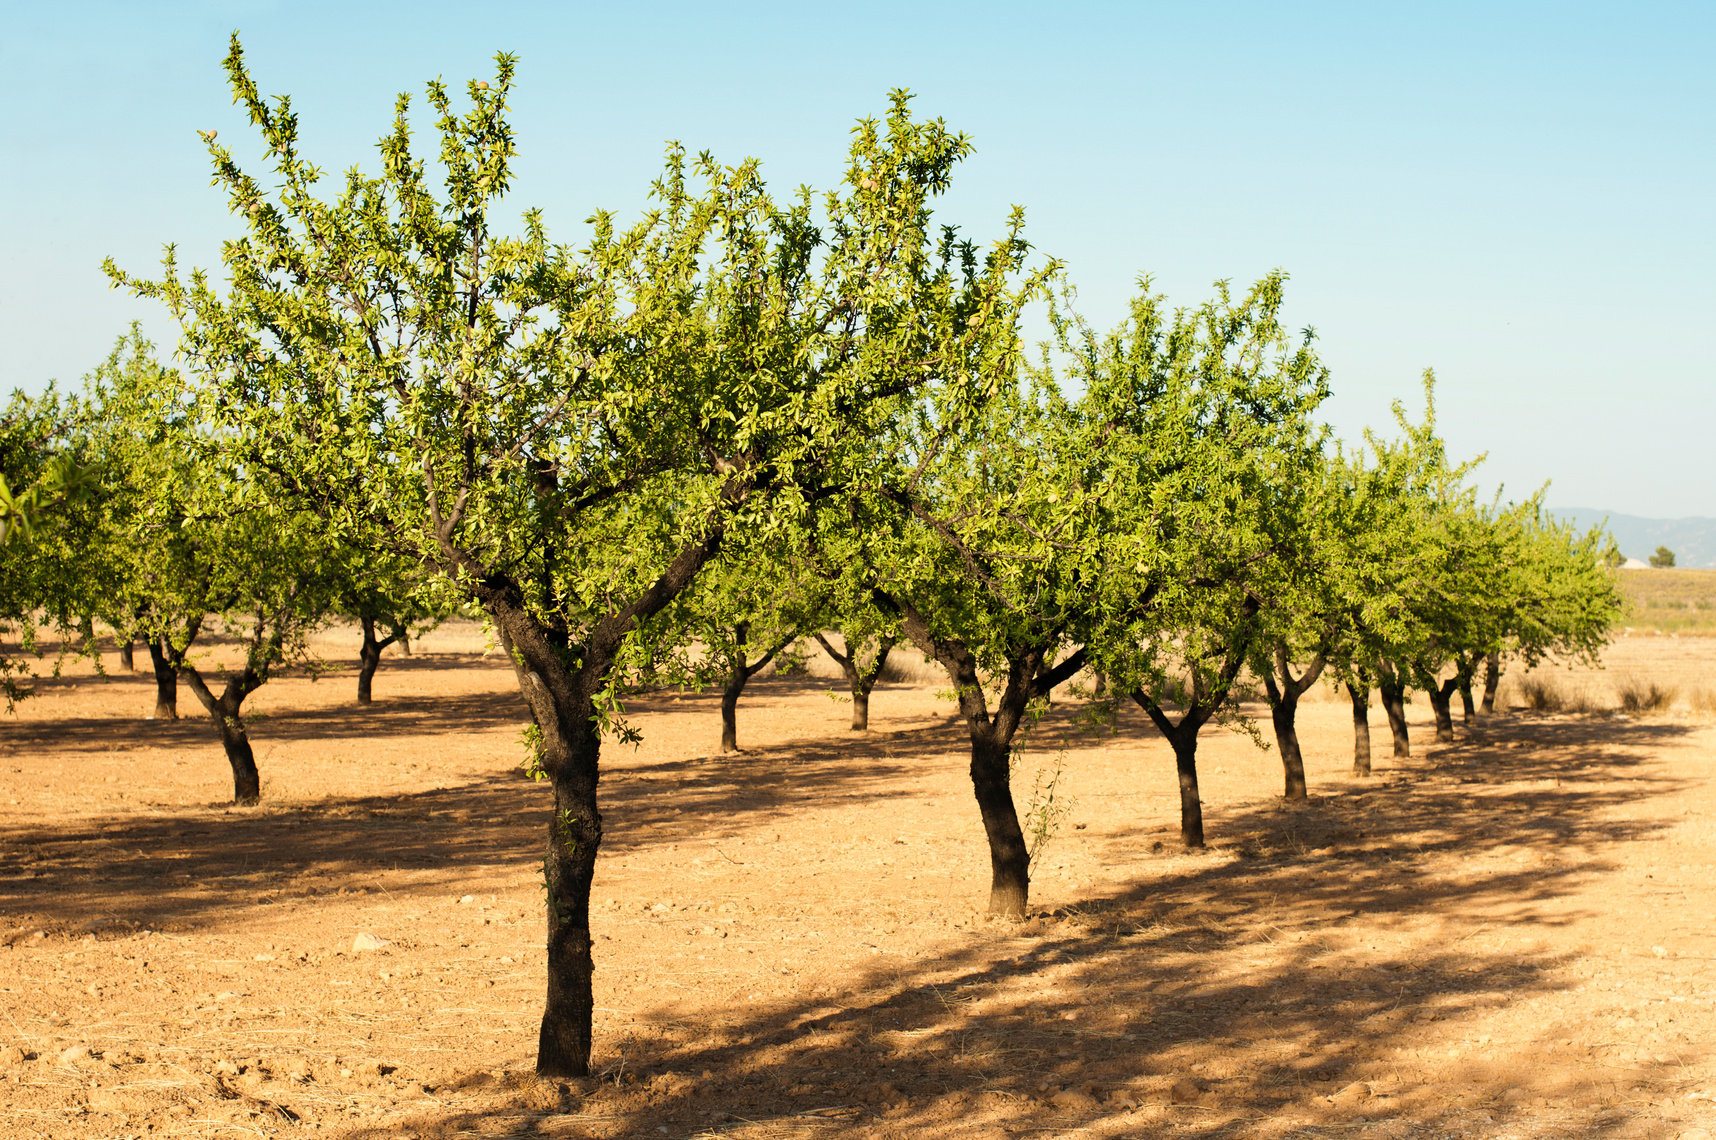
[388, 595]
[566, 435]
[1204, 421]
[866, 642]
[45, 503]
[183, 540]
[980, 543]
[139, 572]
[745, 613]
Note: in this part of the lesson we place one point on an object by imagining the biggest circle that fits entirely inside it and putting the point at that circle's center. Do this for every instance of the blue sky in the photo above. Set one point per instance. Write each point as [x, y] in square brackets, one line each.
[1522, 196]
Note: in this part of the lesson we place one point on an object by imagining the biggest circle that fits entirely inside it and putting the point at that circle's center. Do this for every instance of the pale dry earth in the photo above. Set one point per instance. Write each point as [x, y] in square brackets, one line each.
[1510, 936]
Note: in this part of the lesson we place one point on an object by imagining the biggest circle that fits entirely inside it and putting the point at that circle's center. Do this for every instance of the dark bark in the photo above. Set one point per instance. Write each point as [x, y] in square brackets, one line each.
[1492, 681]
[1391, 688]
[227, 712]
[1183, 739]
[1467, 712]
[1191, 803]
[991, 733]
[1360, 694]
[1441, 698]
[1284, 692]
[1202, 703]
[163, 659]
[740, 670]
[562, 701]
[735, 687]
[1009, 856]
[369, 656]
[127, 660]
[860, 678]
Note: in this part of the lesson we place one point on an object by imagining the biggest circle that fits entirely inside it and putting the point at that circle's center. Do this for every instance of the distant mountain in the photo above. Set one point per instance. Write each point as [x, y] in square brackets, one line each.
[1692, 540]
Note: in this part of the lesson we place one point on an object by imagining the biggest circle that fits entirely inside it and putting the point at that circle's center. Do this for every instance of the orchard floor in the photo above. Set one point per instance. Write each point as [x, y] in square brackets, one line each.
[1510, 936]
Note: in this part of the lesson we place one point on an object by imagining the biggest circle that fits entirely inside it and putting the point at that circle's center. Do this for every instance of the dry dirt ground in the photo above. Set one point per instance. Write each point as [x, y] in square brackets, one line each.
[1510, 936]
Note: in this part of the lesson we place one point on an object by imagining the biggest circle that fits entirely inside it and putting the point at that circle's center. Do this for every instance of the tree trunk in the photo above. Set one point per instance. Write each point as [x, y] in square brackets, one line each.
[1185, 746]
[1183, 739]
[564, 710]
[860, 681]
[1283, 715]
[1467, 712]
[226, 711]
[369, 658]
[569, 865]
[864, 683]
[1361, 727]
[1441, 697]
[91, 644]
[860, 709]
[736, 679]
[1009, 857]
[1393, 694]
[127, 661]
[166, 680]
[1492, 681]
[235, 739]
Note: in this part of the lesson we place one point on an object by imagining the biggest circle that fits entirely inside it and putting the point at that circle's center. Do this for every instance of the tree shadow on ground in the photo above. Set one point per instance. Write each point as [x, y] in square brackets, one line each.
[176, 869]
[1221, 995]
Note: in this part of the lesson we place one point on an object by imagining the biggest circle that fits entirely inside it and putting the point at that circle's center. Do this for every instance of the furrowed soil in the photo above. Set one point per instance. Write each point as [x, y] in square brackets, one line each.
[1513, 935]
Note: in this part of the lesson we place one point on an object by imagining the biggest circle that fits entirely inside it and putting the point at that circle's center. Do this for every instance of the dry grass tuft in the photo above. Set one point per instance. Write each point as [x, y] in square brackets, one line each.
[1547, 695]
[1702, 700]
[1645, 696]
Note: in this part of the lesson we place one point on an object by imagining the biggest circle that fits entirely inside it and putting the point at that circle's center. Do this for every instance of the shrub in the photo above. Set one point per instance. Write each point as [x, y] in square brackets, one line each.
[1663, 559]
[1540, 694]
[1643, 697]
[1547, 695]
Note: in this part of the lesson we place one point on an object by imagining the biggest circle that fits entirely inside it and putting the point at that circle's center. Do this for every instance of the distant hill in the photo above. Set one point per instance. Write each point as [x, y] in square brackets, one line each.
[1692, 540]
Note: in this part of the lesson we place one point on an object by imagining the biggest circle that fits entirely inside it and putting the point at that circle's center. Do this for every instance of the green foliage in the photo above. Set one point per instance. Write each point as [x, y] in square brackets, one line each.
[21, 511]
[1662, 558]
[45, 505]
[1198, 425]
[1047, 808]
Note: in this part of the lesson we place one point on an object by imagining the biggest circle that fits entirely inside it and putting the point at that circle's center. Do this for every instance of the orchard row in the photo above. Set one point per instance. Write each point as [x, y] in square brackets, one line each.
[666, 454]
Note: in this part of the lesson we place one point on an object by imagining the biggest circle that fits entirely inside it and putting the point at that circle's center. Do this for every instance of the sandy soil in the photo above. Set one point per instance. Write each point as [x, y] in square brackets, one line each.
[1511, 936]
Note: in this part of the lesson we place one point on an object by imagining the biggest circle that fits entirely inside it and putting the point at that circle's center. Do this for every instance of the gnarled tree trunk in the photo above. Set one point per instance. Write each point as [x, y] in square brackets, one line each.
[1205, 700]
[1284, 697]
[1492, 681]
[1360, 695]
[991, 735]
[127, 660]
[163, 659]
[740, 670]
[227, 712]
[1441, 696]
[562, 700]
[1391, 688]
[860, 678]
[1009, 857]
[369, 656]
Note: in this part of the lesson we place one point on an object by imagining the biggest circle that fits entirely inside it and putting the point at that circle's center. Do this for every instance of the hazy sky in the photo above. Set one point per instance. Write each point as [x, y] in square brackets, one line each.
[1520, 196]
